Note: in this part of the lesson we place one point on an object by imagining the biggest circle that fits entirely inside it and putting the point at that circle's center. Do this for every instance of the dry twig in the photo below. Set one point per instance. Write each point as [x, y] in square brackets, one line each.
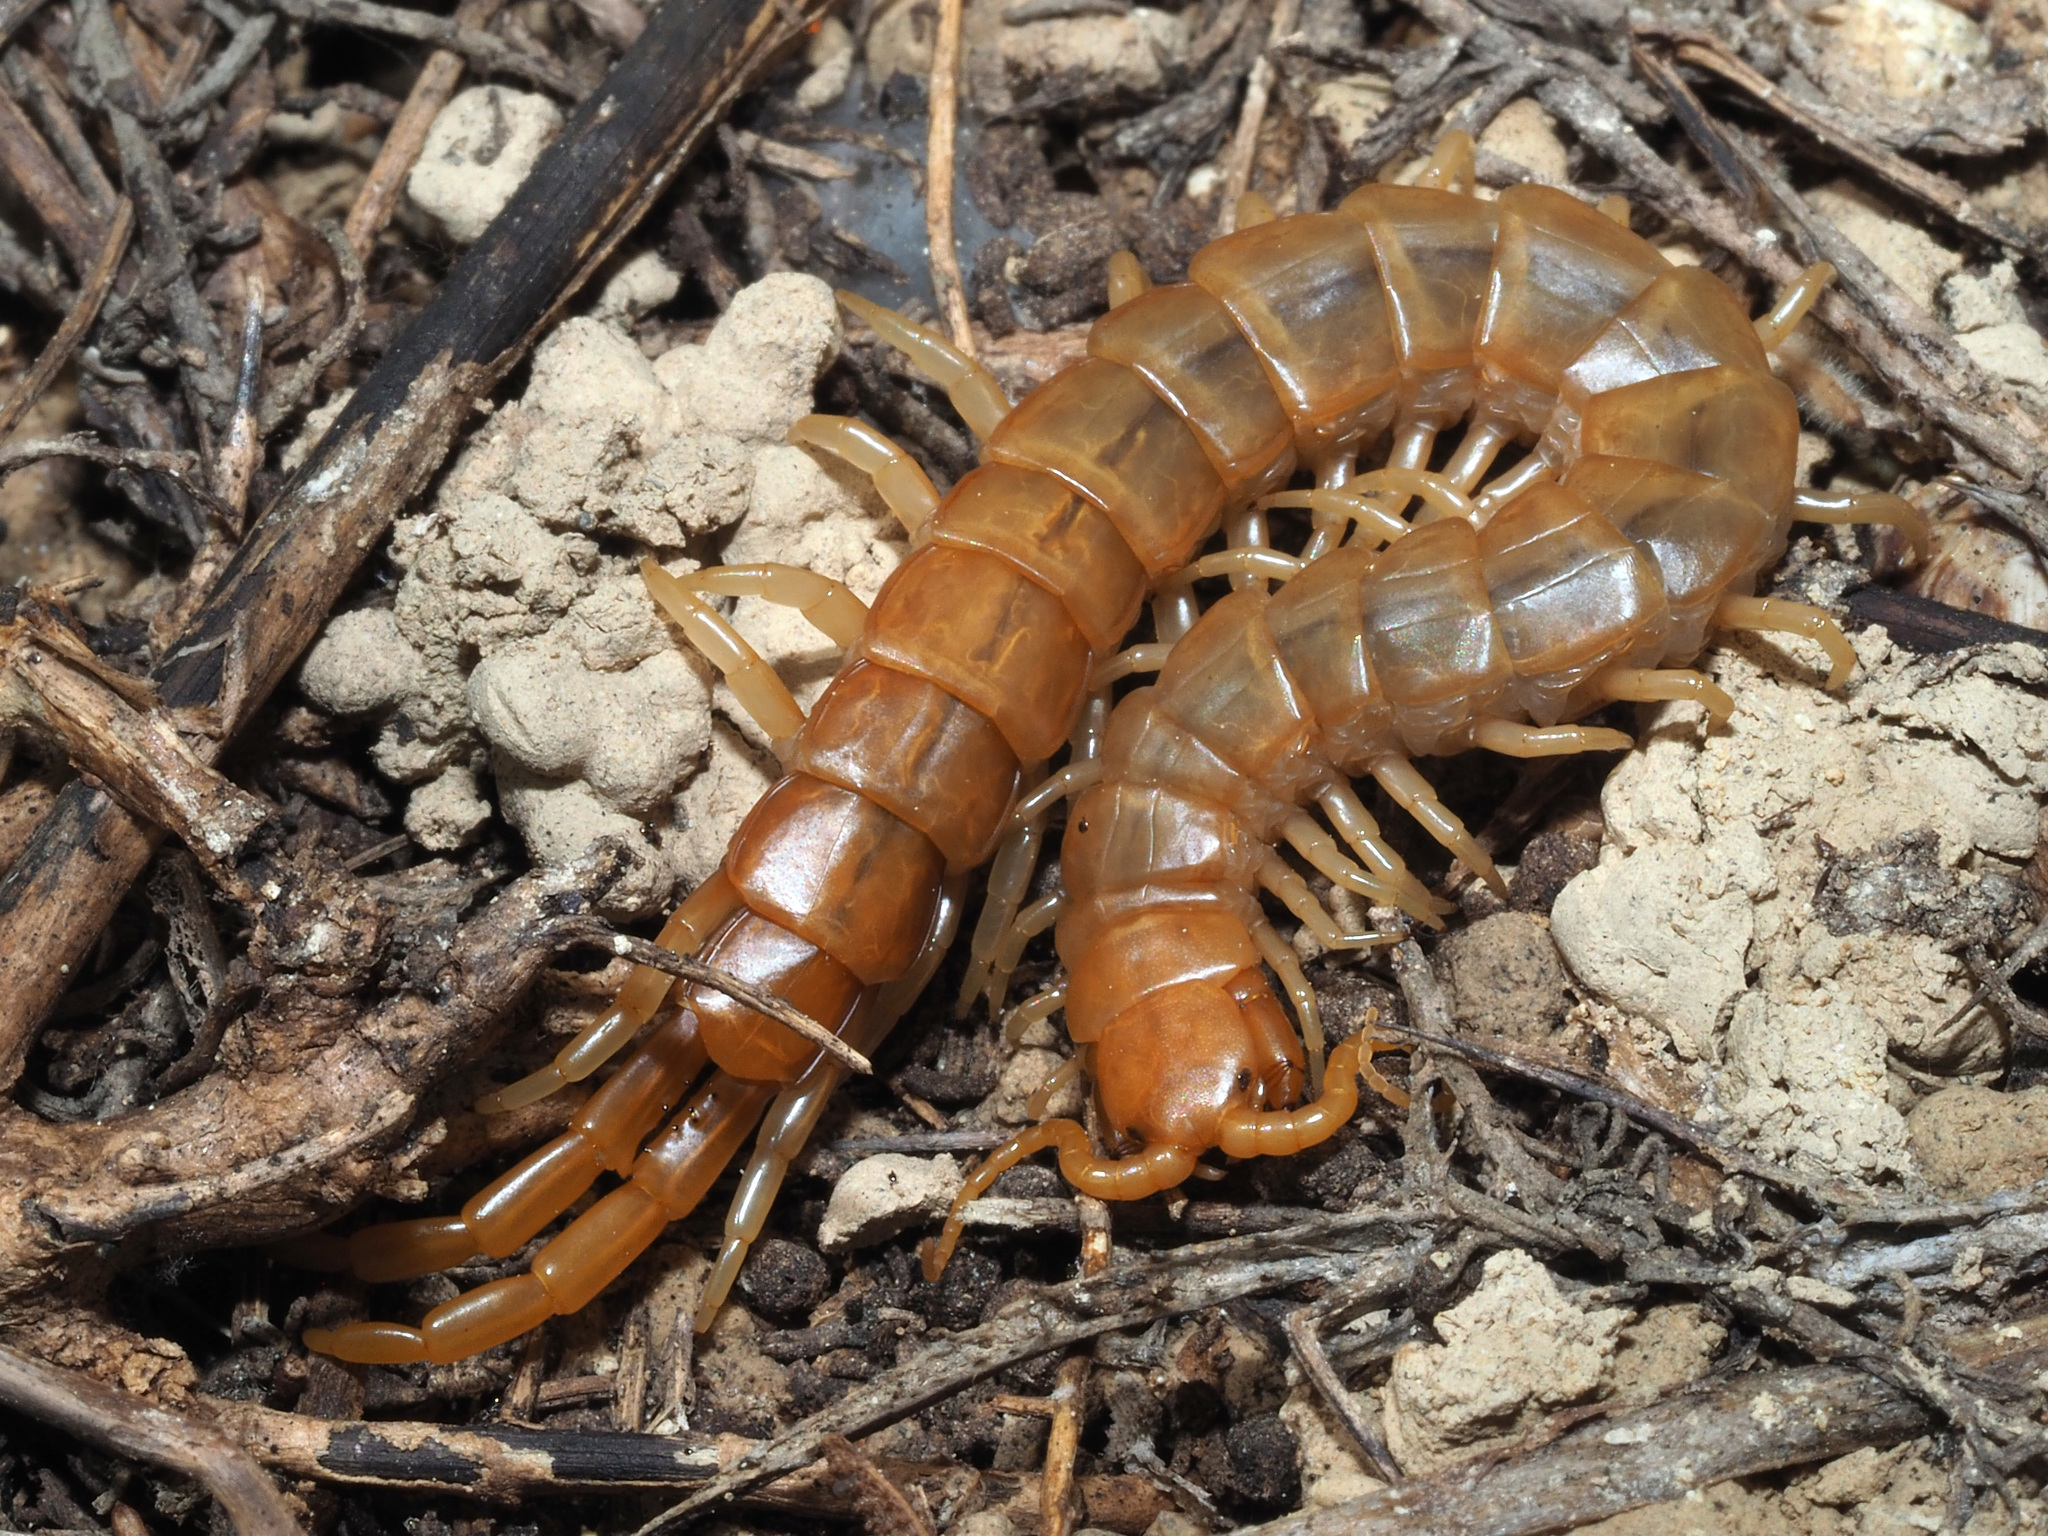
[947, 285]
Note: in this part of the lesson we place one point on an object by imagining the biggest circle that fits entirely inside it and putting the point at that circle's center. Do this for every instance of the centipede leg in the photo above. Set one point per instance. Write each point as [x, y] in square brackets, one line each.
[1880, 508]
[1644, 685]
[972, 388]
[1784, 316]
[1452, 165]
[1399, 778]
[899, 481]
[668, 1180]
[1027, 1013]
[1009, 877]
[1278, 954]
[1511, 738]
[829, 605]
[794, 1115]
[761, 693]
[1029, 924]
[1277, 877]
[1128, 278]
[1355, 824]
[1778, 616]
[632, 1005]
[604, 1135]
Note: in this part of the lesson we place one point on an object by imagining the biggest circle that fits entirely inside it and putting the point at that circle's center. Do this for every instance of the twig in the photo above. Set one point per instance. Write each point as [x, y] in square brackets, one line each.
[292, 391]
[1058, 1317]
[1063, 1440]
[1251, 117]
[34, 169]
[245, 46]
[432, 89]
[589, 930]
[137, 752]
[479, 47]
[1931, 187]
[1499, 1056]
[947, 286]
[1627, 1460]
[129, 1426]
[85, 309]
[1314, 1361]
[33, 84]
[867, 1494]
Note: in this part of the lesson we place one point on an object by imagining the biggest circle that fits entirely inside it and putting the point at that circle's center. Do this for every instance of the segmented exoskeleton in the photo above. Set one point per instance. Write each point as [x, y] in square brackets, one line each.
[1296, 343]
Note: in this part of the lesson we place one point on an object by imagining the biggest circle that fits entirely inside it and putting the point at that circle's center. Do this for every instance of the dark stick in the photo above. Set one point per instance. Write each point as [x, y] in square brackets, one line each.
[92, 293]
[617, 154]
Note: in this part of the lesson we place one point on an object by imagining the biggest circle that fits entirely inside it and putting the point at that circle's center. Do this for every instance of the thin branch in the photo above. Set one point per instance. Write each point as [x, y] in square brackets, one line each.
[947, 286]
[77, 321]
[590, 930]
[482, 49]
[1244, 141]
[432, 90]
[1356, 1246]
[126, 1425]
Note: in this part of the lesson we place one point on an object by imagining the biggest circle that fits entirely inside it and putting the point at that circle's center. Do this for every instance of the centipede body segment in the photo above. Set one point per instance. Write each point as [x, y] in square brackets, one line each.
[1657, 482]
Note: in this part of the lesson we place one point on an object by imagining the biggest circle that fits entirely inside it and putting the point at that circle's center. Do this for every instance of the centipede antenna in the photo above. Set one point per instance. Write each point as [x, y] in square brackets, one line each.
[1783, 317]
[1127, 278]
[762, 694]
[899, 481]
[829, 605]
[1879, 508]
[972, 388]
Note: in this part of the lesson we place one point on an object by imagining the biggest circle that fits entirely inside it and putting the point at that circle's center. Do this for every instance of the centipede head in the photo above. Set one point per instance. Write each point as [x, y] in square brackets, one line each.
[1170, 1066]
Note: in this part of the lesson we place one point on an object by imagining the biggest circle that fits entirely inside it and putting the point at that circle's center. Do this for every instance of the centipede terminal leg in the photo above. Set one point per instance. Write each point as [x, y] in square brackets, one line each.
[1645, 685]
[1511, 738]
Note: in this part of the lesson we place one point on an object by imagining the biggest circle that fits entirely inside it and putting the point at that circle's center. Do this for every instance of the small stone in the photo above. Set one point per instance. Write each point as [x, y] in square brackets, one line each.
[478, 151]
[445, 812]
[1262, 1461]
[830, 57]
[883, 1195]
[1513, 1350]
[1506, 978]
[642, 284]
[360, 665]
[1971, 1143]
[784, 1279]
[983, 1522]
[1527, 135]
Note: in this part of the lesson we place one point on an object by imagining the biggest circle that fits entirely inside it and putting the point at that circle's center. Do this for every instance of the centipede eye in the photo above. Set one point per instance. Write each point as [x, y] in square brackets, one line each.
[1244, 1079]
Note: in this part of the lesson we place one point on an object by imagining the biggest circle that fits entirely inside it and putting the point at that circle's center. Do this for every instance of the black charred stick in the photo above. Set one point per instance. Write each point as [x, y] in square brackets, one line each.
[617, 154]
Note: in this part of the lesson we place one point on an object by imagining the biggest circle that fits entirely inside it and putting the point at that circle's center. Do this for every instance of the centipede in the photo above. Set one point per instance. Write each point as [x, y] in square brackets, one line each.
[1655, 481]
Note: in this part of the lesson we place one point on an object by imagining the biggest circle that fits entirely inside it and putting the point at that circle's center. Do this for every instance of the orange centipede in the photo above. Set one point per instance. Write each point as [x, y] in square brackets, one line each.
[1659, 482]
